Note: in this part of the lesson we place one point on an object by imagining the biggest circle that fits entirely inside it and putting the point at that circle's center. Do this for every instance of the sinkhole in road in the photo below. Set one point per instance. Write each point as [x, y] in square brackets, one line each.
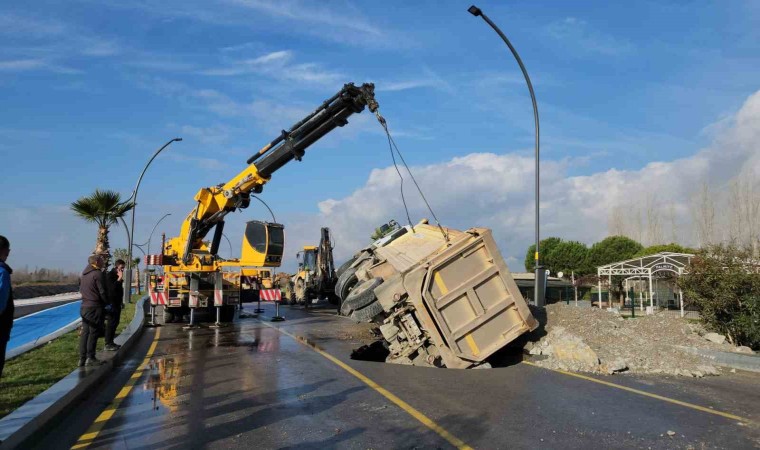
[377, 352]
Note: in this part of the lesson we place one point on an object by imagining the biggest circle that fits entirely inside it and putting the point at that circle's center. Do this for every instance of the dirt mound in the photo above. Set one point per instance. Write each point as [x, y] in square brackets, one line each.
[43, 290]
[593, 340]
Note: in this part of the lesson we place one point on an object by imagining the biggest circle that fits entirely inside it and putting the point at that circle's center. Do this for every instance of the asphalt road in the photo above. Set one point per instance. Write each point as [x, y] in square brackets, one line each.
[254, 386]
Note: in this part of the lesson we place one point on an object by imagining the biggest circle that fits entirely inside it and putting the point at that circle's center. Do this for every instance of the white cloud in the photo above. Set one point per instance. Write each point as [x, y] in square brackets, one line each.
[577, 33]
[21, 65]
[314, 13]
[278, 66]
[496, 191]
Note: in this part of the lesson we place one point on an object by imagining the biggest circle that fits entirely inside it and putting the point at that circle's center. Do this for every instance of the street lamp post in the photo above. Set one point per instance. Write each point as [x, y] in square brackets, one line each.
[154, 229]
[133, 199]
[538, 294]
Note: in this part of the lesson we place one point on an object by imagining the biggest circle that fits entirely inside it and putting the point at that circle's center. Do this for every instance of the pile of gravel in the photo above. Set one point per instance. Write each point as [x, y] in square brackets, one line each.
[600, 341]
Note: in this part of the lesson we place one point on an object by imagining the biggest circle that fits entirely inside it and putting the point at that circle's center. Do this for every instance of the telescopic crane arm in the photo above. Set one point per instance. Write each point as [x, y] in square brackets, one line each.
[214, 203]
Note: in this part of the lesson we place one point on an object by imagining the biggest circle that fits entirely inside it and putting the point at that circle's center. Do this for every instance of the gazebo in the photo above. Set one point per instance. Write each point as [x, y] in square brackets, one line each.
[646, 267]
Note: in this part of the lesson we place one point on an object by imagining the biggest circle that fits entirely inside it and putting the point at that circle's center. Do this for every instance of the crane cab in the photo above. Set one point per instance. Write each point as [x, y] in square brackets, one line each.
[263, 244]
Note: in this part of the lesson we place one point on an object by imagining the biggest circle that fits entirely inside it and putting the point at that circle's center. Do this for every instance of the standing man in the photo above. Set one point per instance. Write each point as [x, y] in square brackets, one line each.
[115, 297]
[6, 300]
[94, 299]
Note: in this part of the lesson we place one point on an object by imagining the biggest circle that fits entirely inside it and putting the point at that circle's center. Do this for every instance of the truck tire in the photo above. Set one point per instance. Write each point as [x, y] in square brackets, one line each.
[168, 315]
[346, 282]
[344, 267]
[367, 313]
[360, 296]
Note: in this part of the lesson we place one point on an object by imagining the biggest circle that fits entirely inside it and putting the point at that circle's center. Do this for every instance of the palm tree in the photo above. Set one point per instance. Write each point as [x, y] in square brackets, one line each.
[104, 208]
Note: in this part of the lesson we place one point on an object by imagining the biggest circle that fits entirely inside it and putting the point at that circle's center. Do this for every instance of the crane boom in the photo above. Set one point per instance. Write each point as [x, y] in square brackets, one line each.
[215, 202]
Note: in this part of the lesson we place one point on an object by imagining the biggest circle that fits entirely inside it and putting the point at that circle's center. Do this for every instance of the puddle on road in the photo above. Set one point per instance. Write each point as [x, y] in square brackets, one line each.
[163, 380]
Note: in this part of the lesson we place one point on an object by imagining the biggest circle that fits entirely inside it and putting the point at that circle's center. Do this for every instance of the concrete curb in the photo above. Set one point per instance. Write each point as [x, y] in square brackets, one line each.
[28, 422]
[21, 349]
[727, 359]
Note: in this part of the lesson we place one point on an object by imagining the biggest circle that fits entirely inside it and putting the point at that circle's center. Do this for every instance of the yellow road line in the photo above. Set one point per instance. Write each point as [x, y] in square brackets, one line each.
[647, 394]
[453, 440]
[92, 433]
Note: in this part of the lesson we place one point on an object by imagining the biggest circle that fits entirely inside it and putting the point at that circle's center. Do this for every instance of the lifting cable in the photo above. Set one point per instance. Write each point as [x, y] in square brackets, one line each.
[392, 145]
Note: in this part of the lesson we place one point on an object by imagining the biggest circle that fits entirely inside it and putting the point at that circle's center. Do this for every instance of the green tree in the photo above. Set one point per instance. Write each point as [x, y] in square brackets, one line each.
[546, 247]
[610, 250]
[672, 247]
[569, 256]
[724, 284]
[103, 208]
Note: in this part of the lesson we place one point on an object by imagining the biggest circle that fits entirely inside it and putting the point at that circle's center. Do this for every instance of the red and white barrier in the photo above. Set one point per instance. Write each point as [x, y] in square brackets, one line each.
[270, 295]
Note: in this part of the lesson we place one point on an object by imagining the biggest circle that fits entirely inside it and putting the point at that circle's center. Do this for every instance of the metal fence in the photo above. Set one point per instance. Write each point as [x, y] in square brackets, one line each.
[641, 306]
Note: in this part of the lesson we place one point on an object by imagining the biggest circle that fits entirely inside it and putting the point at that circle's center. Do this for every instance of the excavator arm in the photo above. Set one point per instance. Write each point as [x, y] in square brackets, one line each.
[214, 203]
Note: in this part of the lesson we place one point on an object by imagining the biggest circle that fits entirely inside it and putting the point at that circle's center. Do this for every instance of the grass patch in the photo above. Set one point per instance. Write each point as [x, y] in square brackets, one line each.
[30, 374]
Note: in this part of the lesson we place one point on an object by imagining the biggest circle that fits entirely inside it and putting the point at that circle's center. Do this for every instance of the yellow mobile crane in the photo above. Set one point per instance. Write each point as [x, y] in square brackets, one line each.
[193, 274]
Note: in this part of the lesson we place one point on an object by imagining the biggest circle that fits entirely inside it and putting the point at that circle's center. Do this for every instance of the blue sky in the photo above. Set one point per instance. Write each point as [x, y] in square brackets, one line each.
[91, 89]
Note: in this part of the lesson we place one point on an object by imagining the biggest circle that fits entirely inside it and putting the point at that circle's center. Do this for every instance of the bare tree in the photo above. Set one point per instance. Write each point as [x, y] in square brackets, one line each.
[673, 223]
[654, 221]
[616, 222]
[704, 215]
[735, 213]
[744, 212]
[637, 232]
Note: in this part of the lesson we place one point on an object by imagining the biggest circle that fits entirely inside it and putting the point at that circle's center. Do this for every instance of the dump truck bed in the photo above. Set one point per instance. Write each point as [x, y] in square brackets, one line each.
[447, 303]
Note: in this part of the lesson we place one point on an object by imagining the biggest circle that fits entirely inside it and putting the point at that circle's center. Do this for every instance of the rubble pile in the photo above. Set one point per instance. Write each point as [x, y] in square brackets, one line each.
[601, 341]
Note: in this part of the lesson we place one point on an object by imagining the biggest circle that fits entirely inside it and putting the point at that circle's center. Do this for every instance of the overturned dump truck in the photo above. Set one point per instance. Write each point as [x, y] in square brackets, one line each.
[441, 297]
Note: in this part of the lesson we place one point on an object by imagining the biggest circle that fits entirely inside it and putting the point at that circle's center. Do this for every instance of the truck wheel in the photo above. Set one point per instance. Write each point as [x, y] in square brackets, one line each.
[360, 296]
[346, 282]
[344, 267]
[168, 315]
[367, 313]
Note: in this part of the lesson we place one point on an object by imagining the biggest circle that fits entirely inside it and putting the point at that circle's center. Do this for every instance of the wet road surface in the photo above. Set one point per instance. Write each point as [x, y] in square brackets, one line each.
[251, 386]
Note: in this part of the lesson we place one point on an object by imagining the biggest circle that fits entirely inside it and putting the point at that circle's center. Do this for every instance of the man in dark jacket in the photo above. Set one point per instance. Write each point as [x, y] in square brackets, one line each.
[6, 300]
[115, 297]
[94, 299]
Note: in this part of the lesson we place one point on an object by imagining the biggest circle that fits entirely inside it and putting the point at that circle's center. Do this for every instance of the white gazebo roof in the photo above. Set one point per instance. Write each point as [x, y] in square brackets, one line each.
[647, 265]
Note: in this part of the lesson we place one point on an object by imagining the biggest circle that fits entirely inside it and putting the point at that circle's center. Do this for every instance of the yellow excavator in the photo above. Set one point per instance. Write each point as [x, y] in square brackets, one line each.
[316, 271]
[193, 273]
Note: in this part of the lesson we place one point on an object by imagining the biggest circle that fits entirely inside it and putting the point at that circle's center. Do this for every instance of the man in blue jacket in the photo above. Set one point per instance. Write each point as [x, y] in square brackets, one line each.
[6, 300]
[92, 287]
